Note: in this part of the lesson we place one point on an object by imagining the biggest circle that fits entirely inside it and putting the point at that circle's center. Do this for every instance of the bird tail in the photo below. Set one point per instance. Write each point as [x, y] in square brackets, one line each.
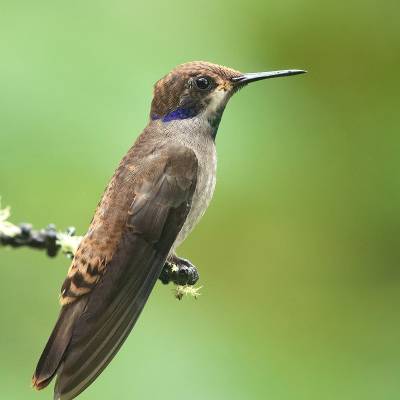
[57, 344]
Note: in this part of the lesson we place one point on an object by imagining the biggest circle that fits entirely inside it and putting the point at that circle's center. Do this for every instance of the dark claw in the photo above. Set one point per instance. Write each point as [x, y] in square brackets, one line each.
[183, 275]
[165, 276]
[187, 273]
[191, 275]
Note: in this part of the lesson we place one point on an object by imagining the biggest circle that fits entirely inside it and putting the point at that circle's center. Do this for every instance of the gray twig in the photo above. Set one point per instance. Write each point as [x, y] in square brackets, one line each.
[53, 241]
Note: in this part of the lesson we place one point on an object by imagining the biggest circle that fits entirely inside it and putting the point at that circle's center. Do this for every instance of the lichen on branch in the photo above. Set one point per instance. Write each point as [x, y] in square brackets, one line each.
[53, 241]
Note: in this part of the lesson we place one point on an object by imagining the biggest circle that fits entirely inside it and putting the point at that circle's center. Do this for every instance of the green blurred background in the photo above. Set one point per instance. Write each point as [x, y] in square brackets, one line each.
[299, 251]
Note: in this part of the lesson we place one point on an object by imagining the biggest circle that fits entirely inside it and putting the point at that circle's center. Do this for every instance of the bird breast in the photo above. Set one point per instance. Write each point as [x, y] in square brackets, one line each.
[202, 143]
[204, 191]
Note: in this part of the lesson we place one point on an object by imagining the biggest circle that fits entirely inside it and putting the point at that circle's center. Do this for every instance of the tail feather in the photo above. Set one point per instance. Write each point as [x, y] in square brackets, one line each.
[100, 333]
[57, 344]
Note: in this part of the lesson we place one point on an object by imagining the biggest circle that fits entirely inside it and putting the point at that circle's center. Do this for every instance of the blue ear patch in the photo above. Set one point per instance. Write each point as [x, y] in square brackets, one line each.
[180, 113]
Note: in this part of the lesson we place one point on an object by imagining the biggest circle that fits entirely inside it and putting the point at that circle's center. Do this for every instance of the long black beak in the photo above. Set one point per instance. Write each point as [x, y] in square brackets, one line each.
[258, 76]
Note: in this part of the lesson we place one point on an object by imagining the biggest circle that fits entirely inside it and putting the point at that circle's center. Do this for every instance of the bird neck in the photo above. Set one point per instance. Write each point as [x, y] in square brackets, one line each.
[209, 119]
[196, 129]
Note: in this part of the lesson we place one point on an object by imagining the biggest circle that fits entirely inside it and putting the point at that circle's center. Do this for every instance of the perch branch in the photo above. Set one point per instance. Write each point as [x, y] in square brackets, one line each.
[53, 241]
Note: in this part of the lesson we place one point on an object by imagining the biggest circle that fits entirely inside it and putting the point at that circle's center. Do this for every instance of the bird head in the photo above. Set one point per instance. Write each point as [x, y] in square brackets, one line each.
[200, 89]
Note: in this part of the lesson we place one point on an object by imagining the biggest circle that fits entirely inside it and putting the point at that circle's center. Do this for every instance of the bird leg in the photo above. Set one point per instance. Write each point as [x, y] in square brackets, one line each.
[180, 271]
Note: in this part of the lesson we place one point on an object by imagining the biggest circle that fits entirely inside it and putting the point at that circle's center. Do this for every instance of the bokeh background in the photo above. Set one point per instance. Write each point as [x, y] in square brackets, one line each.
[299, 252]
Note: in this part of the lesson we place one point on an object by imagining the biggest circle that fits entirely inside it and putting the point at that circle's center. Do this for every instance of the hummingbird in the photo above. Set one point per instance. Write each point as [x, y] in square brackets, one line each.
[160, 190]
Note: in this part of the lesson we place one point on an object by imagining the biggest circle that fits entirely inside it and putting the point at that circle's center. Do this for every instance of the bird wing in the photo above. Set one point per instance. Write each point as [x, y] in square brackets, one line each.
[91, 329]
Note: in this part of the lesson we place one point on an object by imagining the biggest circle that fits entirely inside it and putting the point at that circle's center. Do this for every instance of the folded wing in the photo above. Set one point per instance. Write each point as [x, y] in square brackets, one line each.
[95, 325]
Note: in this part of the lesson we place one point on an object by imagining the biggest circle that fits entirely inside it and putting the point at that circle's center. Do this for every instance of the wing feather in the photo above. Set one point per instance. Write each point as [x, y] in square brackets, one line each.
[159, 209]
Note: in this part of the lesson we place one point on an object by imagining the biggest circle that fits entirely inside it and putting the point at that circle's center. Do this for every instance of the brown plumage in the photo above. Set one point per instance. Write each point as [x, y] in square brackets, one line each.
[159, 192]
[172, 88]
[117, 264]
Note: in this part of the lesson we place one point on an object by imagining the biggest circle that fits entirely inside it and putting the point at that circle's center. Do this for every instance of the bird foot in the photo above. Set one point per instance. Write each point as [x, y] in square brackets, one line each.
[179, 271]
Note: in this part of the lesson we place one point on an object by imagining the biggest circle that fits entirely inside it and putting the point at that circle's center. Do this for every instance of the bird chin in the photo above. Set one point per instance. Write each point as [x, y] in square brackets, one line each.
[218, 100]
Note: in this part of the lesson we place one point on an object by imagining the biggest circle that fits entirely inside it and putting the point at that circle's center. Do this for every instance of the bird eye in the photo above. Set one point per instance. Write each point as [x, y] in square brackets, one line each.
[203, 82]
